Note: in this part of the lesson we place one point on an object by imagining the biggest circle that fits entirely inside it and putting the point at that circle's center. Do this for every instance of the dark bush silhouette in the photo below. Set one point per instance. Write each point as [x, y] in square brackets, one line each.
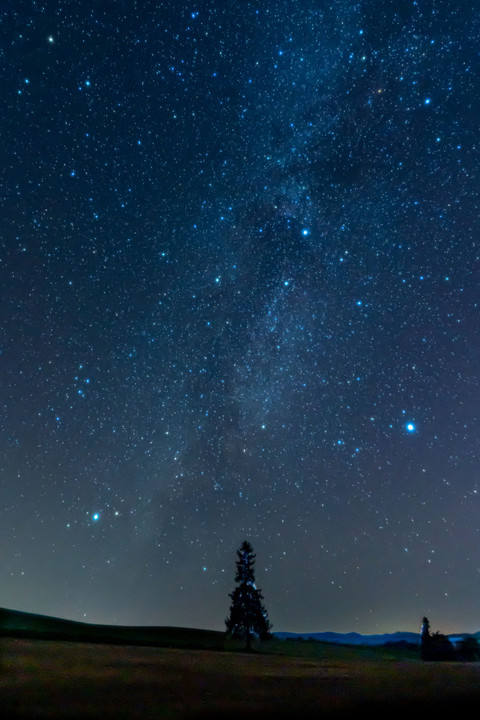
[436, 646]
[440, 647]
[468, 649]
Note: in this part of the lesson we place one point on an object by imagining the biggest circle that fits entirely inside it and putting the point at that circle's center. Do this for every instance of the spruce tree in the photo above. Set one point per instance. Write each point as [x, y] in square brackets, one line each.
[248, 617]
[425, 638]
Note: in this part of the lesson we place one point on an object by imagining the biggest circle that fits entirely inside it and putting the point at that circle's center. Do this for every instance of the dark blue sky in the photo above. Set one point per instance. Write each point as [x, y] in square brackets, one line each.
[240, 272]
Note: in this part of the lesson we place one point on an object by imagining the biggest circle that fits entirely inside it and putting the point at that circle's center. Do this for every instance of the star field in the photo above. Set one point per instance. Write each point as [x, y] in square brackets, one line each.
[240, 269]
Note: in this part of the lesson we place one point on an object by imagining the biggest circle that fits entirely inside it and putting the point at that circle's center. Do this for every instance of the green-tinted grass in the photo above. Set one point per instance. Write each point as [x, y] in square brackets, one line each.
[321, 650]
[51, 679]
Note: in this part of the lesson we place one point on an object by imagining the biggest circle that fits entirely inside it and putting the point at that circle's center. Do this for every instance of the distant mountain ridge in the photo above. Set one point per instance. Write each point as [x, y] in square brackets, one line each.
[353, 638]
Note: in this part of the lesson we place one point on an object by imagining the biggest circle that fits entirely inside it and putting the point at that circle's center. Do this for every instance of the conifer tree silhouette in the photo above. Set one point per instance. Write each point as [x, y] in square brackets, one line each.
[248, 617]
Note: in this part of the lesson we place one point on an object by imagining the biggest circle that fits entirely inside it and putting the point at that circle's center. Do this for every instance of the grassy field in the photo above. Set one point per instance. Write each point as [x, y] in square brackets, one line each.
[64, 679]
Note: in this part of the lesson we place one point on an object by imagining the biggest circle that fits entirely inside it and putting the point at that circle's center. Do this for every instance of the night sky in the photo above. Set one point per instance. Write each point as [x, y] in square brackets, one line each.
[240, 275]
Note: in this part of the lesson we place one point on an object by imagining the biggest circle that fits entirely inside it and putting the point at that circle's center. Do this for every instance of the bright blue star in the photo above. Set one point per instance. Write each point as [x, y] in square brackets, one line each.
[96, 516]
[410, 427]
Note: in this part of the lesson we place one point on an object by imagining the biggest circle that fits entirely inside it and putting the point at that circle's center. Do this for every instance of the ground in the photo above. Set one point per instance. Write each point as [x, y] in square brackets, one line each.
[58, 679]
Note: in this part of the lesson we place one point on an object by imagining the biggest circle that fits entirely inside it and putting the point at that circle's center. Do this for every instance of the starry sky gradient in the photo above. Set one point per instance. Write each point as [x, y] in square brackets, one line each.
[240, 291]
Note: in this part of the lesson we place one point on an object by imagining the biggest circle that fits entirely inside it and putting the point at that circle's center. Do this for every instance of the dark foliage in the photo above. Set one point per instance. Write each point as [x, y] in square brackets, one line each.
[248, 617]
[436, 646]
[439, 647]
[468, 649]
[425, 631]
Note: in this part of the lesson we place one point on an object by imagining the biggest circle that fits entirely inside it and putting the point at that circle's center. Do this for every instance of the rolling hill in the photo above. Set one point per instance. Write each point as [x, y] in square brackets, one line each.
[15, 623]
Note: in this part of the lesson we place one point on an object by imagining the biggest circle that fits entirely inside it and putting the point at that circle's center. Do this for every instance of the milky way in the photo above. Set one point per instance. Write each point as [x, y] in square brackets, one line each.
[240, 267]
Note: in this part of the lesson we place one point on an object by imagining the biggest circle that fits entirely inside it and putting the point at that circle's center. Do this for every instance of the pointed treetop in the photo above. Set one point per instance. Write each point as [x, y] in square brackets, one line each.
[245, 564]
[248, 617]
